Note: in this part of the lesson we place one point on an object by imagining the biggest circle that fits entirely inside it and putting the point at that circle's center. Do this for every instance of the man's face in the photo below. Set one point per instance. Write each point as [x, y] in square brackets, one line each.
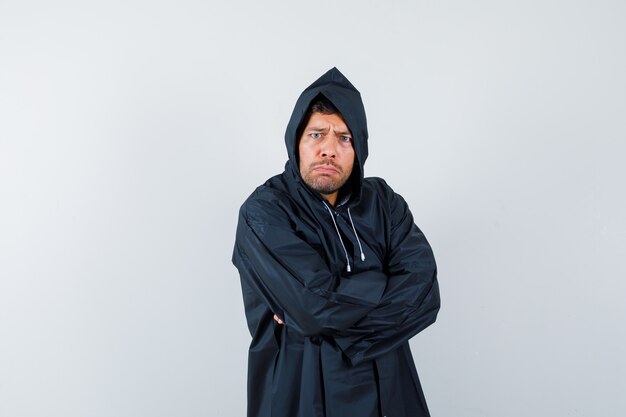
[326, 154]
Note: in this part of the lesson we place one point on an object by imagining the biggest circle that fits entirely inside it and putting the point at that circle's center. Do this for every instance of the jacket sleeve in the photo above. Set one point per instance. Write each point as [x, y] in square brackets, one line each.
[291, 276]
[411, 300]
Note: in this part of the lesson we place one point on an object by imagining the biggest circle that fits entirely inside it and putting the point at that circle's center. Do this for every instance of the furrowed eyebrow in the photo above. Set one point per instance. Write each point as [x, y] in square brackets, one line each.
[317, 129]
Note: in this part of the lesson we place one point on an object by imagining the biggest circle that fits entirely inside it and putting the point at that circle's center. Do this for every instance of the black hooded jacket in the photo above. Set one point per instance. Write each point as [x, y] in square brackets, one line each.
[348, 313]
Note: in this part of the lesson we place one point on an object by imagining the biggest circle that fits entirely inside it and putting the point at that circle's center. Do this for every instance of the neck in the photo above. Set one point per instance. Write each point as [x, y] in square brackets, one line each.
[332, 198]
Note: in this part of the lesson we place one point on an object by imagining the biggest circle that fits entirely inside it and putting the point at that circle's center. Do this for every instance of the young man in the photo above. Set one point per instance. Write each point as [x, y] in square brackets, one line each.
[336, 277]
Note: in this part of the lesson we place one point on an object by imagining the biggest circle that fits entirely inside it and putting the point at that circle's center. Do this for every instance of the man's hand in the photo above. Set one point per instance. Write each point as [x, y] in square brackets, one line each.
[278, 320]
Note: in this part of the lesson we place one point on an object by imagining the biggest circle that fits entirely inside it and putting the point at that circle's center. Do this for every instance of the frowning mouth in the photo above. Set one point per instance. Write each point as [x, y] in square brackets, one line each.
[326, 168]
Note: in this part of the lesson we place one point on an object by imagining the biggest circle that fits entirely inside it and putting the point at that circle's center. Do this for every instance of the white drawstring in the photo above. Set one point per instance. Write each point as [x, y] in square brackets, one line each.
[338, 234]
[341, 240]
[357, 236]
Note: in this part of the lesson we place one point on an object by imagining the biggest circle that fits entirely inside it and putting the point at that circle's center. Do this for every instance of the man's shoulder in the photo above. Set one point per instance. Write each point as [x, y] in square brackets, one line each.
[377, 187]
[267, 197]
[268, 190]
[376, 183]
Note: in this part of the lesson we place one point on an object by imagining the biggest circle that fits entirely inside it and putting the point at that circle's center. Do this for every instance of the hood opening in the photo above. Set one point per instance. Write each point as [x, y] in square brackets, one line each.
[319, 104]
[345, 99]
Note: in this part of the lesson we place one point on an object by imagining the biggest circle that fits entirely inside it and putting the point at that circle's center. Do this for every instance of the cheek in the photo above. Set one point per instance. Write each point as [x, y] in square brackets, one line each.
[349, 158]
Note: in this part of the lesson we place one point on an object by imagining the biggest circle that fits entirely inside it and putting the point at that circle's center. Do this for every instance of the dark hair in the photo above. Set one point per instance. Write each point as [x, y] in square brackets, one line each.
[320, 104]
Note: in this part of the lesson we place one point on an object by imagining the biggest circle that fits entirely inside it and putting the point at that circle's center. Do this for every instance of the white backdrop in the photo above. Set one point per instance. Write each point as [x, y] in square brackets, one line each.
[131, 131]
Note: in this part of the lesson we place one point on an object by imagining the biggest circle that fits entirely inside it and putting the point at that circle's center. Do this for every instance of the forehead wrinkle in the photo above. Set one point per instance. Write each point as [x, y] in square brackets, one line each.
[324, 123]
[316, 128]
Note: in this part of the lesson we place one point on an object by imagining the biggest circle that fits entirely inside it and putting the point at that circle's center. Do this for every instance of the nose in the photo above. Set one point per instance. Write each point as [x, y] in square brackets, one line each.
[328, 149]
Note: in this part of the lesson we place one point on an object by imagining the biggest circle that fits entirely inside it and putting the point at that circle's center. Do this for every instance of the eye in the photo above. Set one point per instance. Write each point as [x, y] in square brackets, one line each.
[316, 135]
[346, 139]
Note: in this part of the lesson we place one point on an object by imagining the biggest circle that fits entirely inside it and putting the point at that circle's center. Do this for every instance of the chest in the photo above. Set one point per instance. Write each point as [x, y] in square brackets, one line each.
[357, 238]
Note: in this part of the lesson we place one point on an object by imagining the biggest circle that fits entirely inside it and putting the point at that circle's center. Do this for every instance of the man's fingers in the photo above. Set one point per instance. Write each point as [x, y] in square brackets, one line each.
[278, 320]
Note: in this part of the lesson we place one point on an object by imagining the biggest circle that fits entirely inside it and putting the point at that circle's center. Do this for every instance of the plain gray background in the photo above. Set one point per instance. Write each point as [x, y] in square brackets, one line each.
[131, 131]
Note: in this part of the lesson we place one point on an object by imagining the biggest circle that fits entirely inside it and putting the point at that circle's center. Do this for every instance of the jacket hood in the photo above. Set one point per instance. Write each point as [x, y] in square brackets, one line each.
[346, 98]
